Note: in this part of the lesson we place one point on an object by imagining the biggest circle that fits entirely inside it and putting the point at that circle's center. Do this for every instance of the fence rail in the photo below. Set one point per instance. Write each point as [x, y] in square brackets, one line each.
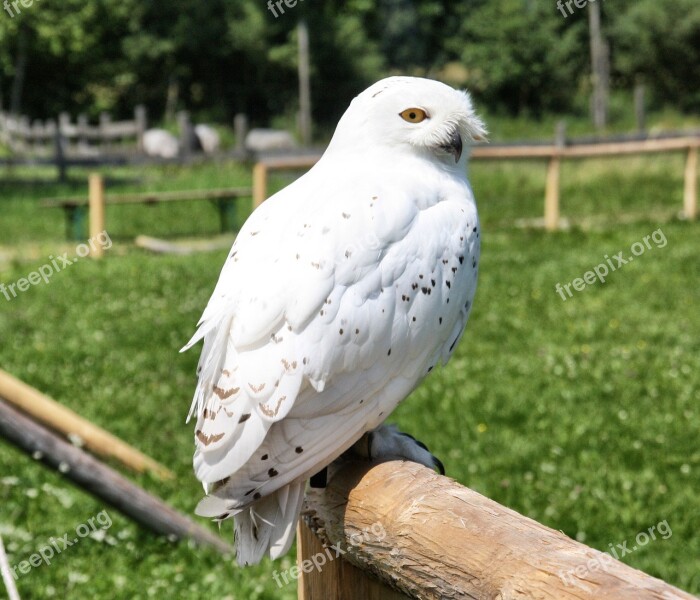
[40, 138]
[553, 153]
[400, 530]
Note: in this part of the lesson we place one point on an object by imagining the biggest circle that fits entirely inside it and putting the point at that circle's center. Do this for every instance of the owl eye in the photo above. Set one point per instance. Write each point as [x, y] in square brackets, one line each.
[414, 115]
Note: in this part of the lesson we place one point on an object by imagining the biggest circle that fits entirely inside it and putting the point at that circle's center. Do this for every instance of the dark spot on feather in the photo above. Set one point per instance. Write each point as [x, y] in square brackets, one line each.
[420, 277]
[432, 282]
[461, 260]
[415, 286]
[474, 230]
[264, 457]
[341, 332]
[298, 449]
[430, 369]
[346, 215]
[440, 320]
[257, 496]
[424, 290]
[414, 319]
[389, 353]
[272, 472]
[453, 344]
[357, 331]
[244, 418]
[454, 269]
[448, 284]
[249, 492]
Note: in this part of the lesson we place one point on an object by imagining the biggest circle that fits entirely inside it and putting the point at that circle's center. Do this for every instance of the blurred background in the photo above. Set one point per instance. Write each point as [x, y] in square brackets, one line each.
[580, 411]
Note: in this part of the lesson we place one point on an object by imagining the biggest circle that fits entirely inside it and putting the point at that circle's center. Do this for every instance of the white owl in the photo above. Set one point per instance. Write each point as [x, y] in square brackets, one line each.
[340, 294]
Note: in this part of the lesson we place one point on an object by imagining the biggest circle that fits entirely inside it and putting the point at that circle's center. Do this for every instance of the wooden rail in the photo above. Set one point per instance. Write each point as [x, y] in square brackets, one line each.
[408, 532]
[38, 137]
[60, 418]
[100, 480]
[74, 206]
[553, 153]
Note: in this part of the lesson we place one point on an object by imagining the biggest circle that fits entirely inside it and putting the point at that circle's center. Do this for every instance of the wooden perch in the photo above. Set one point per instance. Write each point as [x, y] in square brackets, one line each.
[429, 537]
[100, 480]
[58, 417]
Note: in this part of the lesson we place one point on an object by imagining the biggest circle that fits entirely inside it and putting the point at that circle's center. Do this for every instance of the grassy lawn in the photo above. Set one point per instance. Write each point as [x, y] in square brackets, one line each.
[583, 414]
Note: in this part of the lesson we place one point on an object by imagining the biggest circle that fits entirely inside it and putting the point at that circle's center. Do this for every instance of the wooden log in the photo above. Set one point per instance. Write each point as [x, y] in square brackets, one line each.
[690, 189]
[58, 417]
[100, 480]
[96, 200]
[432, 538]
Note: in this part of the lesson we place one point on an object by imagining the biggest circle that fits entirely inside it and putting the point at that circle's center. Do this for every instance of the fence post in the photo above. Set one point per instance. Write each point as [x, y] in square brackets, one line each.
[82, 126]
[334, 578]
[259, 184]
[690, 192]
[59, 151]
[97, 211]
[183, 121]
[240, 128]
[140, 118]
[551, 195]
[105, 120]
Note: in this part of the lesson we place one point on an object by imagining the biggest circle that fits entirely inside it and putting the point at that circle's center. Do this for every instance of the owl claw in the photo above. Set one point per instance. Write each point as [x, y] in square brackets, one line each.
[388, 443]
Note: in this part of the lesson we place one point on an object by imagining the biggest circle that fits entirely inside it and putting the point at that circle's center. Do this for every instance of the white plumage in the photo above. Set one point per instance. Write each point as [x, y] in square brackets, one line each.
[340, 294]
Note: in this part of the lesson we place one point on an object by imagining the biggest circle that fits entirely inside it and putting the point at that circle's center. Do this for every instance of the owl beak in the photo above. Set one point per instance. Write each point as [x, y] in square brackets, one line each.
[454, 146]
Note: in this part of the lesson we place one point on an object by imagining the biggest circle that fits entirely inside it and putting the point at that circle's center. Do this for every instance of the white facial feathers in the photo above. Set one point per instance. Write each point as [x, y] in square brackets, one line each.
[373, 121]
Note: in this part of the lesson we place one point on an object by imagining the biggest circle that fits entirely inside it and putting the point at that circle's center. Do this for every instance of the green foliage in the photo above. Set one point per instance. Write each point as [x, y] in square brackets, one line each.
[222, 57]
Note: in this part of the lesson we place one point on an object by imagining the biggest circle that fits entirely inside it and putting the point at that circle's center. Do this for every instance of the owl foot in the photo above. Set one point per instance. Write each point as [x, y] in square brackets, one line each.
[386, 442]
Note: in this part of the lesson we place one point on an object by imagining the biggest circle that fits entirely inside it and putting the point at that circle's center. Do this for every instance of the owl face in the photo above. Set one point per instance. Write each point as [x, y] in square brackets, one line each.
[408, 114]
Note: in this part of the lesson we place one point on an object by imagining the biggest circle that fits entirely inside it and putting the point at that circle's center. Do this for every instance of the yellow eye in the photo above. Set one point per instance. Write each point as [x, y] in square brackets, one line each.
[414, 115]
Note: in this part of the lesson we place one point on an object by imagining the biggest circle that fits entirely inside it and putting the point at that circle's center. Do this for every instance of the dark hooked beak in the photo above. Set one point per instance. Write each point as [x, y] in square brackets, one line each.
[454, 146]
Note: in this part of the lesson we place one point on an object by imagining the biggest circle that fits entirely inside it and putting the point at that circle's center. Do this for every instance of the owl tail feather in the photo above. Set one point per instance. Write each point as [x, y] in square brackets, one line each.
[264, 528]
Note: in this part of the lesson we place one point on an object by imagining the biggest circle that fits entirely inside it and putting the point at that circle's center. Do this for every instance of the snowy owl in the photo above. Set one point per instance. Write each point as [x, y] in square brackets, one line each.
[340, 294]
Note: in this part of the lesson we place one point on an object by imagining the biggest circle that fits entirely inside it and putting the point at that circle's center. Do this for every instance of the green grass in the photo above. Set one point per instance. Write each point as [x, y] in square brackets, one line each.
[582, 414]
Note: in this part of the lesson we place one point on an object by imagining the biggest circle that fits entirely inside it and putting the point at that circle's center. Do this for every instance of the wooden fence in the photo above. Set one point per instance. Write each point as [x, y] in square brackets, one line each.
[92, 207]
[554, 154]
[399, 530]
[40, 138]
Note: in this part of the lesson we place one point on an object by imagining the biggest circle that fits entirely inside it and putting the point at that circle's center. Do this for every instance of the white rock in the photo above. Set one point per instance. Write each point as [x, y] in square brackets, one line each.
[208, 138]
[158, 142]
[262, 140]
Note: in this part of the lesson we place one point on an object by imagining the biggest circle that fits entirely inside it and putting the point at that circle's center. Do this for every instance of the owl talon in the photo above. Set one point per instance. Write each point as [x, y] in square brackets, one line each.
[388, 443]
